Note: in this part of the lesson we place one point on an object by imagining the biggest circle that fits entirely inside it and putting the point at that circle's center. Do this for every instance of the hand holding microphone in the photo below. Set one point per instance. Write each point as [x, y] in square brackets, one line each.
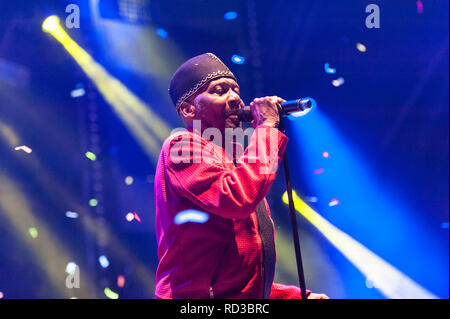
[264, 111]
[270, 109]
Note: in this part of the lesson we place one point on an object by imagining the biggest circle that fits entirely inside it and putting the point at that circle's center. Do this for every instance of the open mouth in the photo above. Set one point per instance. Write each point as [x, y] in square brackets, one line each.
[229, 113]
[233, 119]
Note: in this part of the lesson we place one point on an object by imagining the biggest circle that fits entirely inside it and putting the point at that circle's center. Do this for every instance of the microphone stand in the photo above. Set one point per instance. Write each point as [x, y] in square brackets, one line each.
[298, 254]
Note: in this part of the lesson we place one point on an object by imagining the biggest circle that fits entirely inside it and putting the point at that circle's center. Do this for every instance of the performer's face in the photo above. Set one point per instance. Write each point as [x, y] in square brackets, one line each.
[220, 95]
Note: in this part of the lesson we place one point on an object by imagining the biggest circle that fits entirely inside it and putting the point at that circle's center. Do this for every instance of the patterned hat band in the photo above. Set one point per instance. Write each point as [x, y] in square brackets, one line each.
[206, 79]
[194, 74]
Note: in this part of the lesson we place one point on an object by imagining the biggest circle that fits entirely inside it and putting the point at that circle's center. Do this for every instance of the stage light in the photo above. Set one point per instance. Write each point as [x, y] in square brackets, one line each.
[48, 252]
[162, 33]
[231, 15]
[8, 134]
[368, 204]
[104, 262]
[145, 274]
[191, 215]
[370, 283]
[389, 280]
[237, 59]
[326, 154]
[50, 24]
[14, 207]
[111, 294]
[149, 129]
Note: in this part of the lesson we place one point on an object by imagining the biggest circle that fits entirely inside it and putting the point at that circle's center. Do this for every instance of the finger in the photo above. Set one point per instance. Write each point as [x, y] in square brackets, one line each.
[253, 106]
[271, 99]
[279, 99]
[258, 104]
[276, 99]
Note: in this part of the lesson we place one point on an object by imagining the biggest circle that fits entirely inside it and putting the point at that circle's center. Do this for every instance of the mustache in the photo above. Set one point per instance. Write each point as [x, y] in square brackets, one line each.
[234, 111]
[231, 112]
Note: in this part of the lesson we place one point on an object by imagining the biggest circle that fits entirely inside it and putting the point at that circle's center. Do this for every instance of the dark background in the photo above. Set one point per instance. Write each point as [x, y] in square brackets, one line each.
[391, 111]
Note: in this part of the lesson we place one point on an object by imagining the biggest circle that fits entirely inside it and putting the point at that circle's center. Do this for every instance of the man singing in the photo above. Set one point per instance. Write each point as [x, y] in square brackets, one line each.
[230, 253]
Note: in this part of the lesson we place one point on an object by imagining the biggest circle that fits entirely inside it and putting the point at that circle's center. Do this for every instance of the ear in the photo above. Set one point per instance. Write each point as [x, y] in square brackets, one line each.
[187, 109]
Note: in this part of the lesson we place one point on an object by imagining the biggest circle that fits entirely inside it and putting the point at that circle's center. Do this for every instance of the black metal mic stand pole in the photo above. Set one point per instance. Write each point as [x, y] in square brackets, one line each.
[298, 254]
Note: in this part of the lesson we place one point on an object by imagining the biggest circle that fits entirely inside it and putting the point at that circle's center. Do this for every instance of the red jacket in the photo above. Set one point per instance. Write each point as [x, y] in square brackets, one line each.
[222, 257]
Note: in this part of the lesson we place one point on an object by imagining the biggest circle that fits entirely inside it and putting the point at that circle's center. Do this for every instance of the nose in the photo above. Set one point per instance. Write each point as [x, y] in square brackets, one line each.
[234, 100]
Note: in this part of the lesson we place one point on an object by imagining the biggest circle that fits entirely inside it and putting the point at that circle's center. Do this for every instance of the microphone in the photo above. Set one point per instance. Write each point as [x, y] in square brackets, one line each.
[286, 108]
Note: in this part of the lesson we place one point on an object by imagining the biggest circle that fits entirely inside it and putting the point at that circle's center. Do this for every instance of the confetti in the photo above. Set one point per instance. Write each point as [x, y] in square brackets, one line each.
[136, 216]
[338, 82]
[361, 47]
[70, 214]
[71, 267]
[237, 59]
[120, 281]
[33, 232]
[419, 7]
[191, 215]
[111, 294]
[91, 156]
[162, 33]
[93, 202]
[77, 93]
[328, 69]
[334, 202]
[231, 15]
[129, 217]
[319, 171]
[104, 262]
[310, 199]
[129, 180]
[24, 148]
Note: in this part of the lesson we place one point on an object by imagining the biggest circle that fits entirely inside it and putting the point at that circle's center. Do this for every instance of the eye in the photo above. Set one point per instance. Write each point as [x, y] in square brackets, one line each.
[219, 89]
